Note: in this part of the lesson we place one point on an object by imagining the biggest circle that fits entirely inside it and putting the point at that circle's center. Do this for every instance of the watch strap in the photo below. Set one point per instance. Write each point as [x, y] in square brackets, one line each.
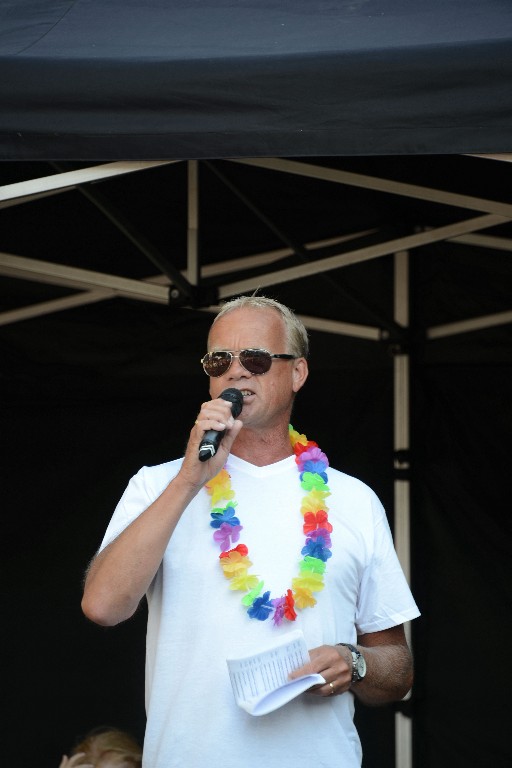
[356, 655]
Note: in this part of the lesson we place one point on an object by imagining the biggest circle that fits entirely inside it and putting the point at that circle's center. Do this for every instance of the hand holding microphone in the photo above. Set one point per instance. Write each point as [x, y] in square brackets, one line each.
[209, 445]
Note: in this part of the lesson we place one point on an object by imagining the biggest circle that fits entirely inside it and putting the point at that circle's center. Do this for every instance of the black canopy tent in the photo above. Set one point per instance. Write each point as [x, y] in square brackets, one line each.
[167, 83]
[138, 79]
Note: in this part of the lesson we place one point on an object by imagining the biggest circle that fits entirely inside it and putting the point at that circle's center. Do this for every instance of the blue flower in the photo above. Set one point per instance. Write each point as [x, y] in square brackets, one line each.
[226, 515]
[317, 549]
[261, 608]
[315, 466]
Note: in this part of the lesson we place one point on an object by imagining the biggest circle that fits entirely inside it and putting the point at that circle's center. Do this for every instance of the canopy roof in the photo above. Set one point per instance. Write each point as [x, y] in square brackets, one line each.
[386, 258]
[142, 79]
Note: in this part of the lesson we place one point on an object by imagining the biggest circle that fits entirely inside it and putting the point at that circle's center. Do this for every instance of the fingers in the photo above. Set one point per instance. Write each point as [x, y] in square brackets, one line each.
[328, 662]
[75, 761]
[215, 414]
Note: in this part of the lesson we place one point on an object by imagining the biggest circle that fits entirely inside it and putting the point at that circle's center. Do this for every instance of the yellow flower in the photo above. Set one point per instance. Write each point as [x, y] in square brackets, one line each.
[244, 582]
[309, 580]
[303, 598]
[219, 487]
[314, 501]
[296, 437]
[234, 564]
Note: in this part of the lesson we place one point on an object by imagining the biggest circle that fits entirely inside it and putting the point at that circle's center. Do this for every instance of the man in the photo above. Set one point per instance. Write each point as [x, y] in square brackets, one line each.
[318, 539]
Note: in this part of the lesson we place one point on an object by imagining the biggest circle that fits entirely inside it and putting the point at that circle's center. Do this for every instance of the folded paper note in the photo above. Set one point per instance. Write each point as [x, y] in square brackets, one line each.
[261, 681]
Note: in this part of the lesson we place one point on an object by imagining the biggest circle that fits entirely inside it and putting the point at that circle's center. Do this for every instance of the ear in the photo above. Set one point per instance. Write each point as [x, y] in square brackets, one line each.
[300, 373]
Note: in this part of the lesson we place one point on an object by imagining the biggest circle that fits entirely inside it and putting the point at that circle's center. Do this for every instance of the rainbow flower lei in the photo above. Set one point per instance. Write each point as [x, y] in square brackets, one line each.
[234, 561]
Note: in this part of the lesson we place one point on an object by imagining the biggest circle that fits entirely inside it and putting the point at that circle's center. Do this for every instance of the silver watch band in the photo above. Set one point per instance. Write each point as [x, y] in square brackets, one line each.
[357, 656]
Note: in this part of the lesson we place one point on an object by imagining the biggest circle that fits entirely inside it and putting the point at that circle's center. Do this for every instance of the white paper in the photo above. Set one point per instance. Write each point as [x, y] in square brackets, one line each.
[260, 682]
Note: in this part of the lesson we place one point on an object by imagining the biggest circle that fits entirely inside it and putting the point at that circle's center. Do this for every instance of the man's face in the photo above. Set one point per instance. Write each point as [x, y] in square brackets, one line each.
[268, 398]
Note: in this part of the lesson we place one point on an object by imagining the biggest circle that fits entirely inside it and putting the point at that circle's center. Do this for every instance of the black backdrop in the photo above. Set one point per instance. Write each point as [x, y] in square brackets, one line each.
[89, 396]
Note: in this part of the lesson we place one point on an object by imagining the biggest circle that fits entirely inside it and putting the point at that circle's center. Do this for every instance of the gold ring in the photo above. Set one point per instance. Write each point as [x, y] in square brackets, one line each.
[332, 688]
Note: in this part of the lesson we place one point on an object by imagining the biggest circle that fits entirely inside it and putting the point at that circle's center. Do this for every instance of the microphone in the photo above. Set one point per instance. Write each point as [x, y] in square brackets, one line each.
[211, 439]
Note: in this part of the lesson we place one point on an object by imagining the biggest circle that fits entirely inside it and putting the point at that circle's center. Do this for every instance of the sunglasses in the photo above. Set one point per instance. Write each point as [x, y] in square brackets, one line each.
[256, 361]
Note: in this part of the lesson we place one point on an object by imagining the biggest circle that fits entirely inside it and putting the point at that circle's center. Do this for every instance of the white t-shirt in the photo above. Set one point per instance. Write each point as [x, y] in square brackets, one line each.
[195, 621]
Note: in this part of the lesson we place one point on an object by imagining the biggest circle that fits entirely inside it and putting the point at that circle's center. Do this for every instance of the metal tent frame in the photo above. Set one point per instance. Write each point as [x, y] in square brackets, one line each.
[170, 285]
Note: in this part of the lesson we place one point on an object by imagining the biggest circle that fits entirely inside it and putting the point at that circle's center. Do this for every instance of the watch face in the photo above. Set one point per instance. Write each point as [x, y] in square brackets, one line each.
[361, 666]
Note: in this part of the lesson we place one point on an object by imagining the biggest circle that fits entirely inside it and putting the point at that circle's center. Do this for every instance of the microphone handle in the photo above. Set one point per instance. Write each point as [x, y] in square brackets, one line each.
[210, 444]
[212, 439]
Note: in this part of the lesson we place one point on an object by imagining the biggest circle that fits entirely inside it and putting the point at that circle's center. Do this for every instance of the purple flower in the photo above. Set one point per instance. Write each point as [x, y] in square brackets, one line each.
[314, 457]
[321, 536]
[279, 606]
[226, 534]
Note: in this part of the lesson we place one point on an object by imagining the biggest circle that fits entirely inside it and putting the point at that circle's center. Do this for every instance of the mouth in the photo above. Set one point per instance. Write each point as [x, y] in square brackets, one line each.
[246, 393]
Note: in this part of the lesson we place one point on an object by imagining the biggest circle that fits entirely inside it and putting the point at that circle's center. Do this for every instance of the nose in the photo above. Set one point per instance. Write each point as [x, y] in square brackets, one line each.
[236, 369]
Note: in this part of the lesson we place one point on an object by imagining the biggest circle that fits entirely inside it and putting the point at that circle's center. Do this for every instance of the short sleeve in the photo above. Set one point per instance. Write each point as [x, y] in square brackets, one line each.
[141, 491]
[385, 599]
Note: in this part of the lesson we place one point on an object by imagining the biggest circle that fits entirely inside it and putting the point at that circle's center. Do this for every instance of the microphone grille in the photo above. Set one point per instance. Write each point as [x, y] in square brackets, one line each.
[235, 397]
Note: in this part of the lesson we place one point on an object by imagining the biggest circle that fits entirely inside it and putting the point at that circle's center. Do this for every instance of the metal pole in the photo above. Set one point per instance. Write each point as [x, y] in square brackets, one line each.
[193, 223]
[403, 724]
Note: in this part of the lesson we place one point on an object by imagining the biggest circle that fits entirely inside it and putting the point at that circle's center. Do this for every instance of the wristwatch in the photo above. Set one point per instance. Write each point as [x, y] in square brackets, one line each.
[358, 663]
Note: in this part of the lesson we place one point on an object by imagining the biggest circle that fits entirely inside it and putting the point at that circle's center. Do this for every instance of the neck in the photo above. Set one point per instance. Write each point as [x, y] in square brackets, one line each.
[262, 448]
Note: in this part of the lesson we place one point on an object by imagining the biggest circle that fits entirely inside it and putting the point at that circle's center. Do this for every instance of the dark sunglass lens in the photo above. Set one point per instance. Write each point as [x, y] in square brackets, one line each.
[217, 363]
[256, 361]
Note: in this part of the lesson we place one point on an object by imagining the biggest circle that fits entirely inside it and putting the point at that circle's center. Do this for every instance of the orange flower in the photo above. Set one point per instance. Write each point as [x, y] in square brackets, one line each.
[289, 602]
[234, 564]
[313, 520]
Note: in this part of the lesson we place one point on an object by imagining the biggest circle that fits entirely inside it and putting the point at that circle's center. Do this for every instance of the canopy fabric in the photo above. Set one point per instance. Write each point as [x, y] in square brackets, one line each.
[94, 383]
[142, 79]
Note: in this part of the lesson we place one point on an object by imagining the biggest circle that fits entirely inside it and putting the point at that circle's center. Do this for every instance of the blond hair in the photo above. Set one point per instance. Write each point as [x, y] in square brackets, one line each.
[296, 334]
[108, 747]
